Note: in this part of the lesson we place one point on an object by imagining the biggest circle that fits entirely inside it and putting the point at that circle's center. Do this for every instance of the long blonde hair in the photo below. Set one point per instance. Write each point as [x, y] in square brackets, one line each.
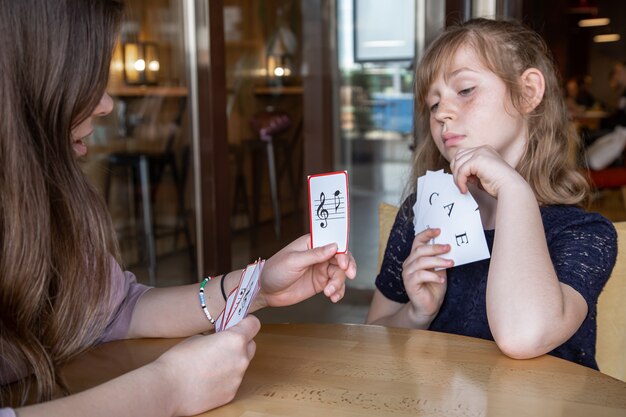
[508, 49]
[56, 236]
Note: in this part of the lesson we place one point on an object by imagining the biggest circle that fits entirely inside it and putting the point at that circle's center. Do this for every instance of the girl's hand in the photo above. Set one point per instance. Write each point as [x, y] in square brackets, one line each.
[204, 372]
[485, 166]
[425, 286]
[298, 272]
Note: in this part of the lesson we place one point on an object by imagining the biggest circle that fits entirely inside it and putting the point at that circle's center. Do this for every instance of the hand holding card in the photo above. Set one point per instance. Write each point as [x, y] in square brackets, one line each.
[441, 205]
[239, 300]
[329, 210]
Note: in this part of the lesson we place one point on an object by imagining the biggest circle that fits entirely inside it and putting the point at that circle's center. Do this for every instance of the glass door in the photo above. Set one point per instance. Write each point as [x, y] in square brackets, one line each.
[140, 154]
[264, 108]
[375, 67]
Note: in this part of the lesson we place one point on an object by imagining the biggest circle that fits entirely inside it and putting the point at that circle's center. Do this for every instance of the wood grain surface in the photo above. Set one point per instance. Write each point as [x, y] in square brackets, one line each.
[308, 370]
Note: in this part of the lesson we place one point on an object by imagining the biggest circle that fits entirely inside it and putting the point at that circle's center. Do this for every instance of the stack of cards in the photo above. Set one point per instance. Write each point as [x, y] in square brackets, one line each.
[329, 210]
[441, 205]
[239, 300]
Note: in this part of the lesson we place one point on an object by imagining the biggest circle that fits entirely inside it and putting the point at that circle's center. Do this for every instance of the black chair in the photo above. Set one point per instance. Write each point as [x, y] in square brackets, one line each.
[147, 166]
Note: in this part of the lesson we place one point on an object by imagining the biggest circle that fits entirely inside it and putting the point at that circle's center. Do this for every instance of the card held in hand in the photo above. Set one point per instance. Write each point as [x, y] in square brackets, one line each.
[441, 205]
[329, 209]
[239, 300]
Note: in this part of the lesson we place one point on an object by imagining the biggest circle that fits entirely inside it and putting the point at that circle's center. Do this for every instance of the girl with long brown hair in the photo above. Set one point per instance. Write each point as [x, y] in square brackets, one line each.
[61, 287]
[490, 103]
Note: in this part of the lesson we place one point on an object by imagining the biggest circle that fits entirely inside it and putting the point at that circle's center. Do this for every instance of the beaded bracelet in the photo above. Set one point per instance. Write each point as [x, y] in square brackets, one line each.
[203, 303]
[222, 286]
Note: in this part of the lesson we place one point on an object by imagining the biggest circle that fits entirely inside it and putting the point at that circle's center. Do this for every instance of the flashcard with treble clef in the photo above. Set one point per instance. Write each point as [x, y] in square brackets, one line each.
[329, 209]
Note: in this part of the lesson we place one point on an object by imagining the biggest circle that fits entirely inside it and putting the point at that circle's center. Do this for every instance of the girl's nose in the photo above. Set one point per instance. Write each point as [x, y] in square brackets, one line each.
[105, 106]
[445, 112]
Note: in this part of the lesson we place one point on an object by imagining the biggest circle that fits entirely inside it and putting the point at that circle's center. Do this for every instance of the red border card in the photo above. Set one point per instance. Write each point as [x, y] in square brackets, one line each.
[347, 205]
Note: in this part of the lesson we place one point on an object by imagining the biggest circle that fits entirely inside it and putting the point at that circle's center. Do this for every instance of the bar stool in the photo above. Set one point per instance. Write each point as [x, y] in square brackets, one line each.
[268, 128]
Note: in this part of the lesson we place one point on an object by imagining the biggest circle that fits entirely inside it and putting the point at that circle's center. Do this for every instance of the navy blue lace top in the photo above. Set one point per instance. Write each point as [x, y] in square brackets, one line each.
[583, 248]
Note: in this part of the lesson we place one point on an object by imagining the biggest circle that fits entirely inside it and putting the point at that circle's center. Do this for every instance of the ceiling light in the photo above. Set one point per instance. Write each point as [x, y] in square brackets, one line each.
[609, 37]
[600, 21]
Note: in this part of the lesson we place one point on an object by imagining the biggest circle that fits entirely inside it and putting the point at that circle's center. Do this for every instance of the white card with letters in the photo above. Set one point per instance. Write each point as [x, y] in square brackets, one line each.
[329, 209]
[441, 205]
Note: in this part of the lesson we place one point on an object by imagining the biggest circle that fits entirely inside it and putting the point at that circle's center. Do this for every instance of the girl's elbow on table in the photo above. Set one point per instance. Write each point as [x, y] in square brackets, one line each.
[520, 343]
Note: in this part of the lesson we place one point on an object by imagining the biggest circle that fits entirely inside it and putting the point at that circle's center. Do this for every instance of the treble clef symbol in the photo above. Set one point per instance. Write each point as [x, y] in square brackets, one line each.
[337, 200]
[322, 213]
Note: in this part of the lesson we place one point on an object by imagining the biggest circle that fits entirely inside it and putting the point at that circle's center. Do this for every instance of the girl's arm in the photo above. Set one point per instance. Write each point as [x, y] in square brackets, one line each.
[176, 311]
[530, 312]
[295, 273]
[137, 393]
[386, 312]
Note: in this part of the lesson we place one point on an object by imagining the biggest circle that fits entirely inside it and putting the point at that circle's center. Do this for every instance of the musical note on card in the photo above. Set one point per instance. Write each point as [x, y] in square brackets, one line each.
[329, 209]
[336, 206]
[322, 213]
[337, 200]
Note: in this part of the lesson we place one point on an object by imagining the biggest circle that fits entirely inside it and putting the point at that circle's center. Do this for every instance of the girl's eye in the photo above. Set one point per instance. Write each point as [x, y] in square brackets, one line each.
[433, 108]
[466, 91]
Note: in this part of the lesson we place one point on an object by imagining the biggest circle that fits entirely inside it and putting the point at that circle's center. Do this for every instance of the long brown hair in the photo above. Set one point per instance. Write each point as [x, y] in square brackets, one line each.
[56, 236]
[508, 49]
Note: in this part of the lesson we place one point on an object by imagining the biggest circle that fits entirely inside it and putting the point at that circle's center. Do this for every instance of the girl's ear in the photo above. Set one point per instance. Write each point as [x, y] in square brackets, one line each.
[533, 87]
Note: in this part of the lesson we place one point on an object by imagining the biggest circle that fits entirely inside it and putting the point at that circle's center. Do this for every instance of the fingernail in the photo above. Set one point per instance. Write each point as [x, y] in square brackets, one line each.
[331, 289]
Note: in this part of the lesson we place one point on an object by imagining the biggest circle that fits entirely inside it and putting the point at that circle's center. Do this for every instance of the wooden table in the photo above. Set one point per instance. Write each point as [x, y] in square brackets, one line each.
[312, 370]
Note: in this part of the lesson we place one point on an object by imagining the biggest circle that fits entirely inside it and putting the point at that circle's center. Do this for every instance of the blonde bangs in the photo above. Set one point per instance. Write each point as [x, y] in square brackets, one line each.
[435, 61]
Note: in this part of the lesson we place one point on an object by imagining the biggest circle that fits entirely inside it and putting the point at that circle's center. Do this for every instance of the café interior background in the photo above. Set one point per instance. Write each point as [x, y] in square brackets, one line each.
[270, 54]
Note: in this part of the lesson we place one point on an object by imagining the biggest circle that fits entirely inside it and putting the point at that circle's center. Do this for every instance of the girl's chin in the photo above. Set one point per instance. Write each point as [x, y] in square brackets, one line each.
[80, 148]
[448, 154]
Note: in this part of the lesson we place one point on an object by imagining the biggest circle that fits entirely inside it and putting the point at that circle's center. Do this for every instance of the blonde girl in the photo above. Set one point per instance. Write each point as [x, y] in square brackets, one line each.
[489, 99]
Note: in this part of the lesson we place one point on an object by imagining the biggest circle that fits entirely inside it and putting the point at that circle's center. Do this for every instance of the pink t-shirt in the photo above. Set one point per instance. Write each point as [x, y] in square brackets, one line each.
[125, 292]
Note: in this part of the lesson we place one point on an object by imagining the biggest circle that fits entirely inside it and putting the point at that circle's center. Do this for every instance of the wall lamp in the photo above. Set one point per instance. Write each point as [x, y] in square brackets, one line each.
[141, 63]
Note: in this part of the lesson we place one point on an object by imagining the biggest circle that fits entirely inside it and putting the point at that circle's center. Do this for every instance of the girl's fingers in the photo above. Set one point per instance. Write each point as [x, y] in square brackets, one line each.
[432, 250]
[424, 277]
[461, 156]
[432, 263]
[338, 294]
[427, 263]
[424, 237]
[335, 287]
[426, 250]
[462, 167]
[346, 262]
[461, 173]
